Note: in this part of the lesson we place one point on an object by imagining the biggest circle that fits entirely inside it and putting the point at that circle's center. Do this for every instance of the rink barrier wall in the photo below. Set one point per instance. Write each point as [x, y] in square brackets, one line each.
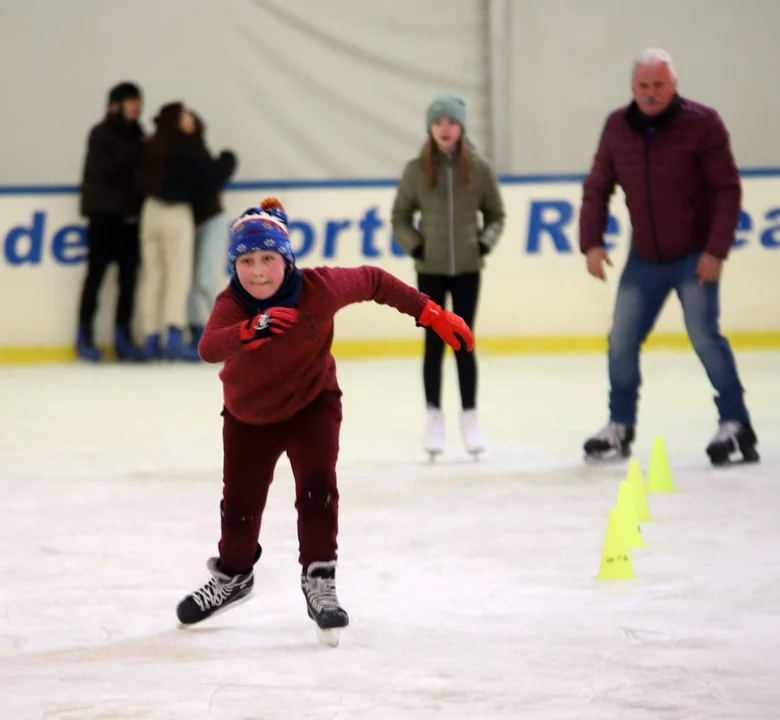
[536, 296]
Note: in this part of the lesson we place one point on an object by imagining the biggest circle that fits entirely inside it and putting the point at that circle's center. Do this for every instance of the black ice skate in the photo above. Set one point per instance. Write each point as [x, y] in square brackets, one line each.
[732, 438]
[612, 442]
[218, 594]
[318, 583]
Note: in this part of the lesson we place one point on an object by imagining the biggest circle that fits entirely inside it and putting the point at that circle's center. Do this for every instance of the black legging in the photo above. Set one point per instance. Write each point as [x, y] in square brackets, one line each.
[464, 290]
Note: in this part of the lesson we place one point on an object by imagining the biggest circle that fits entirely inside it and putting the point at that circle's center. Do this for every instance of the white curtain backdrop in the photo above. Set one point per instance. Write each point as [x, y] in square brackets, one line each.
[298, 88]
[570, 64]
[338, 88]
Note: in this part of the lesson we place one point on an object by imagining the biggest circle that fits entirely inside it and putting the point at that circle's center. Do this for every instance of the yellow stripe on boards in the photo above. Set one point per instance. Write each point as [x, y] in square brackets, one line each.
[413, 348]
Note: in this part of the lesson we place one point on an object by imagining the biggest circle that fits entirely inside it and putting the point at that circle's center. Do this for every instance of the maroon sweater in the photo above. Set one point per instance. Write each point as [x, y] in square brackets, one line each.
[679, 177]
[273, 382]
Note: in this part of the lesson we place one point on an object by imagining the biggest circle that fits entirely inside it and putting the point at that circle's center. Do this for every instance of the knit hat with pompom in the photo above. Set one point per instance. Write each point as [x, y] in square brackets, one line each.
[260, 228]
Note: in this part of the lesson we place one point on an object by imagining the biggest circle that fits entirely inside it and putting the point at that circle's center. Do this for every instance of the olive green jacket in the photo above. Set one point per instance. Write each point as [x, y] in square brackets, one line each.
[448, 237]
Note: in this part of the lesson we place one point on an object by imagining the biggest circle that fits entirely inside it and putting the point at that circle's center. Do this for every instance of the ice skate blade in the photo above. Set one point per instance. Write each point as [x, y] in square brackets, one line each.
[609, 459]
[329, 636]
[432, 455]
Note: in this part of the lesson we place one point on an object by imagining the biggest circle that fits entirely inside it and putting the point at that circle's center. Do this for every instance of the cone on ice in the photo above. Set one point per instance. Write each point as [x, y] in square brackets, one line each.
[627, 511]
[659, 474]
[635, 481]
[615, 557]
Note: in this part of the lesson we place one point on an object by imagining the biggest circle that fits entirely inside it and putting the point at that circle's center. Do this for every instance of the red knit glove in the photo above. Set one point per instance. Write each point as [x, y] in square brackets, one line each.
[448, 326]
[262, 327]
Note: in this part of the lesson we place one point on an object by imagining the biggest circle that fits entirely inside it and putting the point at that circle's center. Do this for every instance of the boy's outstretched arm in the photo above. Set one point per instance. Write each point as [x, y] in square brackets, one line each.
[348, 286]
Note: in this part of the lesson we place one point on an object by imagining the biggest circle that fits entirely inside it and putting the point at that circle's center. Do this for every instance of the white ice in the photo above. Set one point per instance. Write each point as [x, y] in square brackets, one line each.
[471, 586]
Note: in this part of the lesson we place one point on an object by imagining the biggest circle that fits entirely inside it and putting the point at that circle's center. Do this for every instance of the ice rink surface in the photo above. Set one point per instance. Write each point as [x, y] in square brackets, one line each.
[471, 586]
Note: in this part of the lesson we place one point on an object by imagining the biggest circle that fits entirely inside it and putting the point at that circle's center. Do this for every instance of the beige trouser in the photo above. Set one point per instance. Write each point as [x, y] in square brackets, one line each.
[167, 241]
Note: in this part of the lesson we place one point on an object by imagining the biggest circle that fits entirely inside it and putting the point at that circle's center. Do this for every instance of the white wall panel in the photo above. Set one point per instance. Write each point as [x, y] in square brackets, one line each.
[299, 88]
[571, 62]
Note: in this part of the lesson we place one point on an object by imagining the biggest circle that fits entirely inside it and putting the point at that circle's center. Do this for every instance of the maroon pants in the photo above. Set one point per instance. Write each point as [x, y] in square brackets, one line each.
[311, 440]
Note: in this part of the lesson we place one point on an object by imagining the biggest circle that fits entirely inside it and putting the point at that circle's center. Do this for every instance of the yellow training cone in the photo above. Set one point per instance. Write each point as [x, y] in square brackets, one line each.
[627, 512]
[615, 558]
[659, 474]
[634, 479]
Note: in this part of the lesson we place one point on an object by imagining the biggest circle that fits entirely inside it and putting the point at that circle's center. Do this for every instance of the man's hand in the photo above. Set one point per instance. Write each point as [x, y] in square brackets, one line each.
[595, 259]
[708, 269]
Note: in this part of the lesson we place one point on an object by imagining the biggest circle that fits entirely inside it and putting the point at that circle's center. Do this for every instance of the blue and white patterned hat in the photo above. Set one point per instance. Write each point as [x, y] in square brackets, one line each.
[260, 228]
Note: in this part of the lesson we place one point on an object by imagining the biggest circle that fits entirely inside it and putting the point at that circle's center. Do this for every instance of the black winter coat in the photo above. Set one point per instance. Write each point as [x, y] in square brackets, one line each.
[113, 151]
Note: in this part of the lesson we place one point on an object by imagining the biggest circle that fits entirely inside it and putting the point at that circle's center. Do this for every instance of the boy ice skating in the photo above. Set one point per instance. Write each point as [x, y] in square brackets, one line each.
[273, 329]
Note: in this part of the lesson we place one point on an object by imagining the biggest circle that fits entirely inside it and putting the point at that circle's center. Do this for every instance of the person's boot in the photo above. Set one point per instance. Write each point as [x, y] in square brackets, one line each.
[223, 591]
[318, 583]
[196, 333]
[175, 349]
[612, 442]
[434, 432]
[126, 350]
[151, 349]
[85, 346]
[733, 442]
[472, 435]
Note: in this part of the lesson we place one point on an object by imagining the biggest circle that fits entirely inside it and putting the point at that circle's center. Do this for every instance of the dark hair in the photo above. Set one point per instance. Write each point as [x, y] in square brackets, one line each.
[200, 126]
[167, 121]
[430, 159]
[166, 136]
[124, 91]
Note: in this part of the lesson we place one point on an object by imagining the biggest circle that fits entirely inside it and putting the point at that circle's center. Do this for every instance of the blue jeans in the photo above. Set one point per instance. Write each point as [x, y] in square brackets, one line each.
[644, 287]
[208, 278]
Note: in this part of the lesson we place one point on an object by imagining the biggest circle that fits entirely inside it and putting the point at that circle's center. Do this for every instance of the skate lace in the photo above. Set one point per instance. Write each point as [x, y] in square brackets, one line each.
[612, 432]
[212, 594]
[727, 432]
[322, 593]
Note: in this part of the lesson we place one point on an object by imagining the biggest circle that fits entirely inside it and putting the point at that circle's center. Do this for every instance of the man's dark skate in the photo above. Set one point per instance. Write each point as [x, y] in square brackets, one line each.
[218, 594]
[734, 443]
[612, 442]
[318, 583]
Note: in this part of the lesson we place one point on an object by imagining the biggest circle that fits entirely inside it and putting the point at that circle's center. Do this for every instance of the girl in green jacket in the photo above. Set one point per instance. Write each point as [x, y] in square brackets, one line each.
[449, 185]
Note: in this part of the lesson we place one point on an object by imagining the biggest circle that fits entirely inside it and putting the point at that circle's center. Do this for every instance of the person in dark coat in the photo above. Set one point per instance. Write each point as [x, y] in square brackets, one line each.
[111, 205]
[672, 157]
[175, 176]
[211, 237]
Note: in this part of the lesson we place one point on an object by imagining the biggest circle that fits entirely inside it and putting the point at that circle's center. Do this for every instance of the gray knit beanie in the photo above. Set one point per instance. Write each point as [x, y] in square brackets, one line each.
[449, 106]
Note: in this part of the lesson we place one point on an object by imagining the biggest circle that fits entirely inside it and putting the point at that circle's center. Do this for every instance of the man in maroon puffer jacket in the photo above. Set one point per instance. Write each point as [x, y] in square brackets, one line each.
[673, 160]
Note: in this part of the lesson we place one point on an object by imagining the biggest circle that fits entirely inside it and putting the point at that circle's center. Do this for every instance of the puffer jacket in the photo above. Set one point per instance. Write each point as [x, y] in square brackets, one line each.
[679, 177]
[113, 152]
[449, 240]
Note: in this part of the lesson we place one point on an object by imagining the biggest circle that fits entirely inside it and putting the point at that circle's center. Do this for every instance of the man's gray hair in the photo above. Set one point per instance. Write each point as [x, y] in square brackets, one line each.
[655, 56]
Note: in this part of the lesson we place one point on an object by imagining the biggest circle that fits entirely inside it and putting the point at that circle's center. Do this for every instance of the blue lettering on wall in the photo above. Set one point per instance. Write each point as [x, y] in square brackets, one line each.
[369, 224]
[549, 219]
[552, 228]
[333, 228]
[613, 229]
[69, 245]
[770, 238]
[24, 243]
[744, 224]
[555, 220]
[307, 232]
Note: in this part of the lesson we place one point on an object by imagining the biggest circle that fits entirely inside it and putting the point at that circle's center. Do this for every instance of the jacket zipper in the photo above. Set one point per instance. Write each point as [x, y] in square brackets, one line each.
[650, 212]
[451, 207]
